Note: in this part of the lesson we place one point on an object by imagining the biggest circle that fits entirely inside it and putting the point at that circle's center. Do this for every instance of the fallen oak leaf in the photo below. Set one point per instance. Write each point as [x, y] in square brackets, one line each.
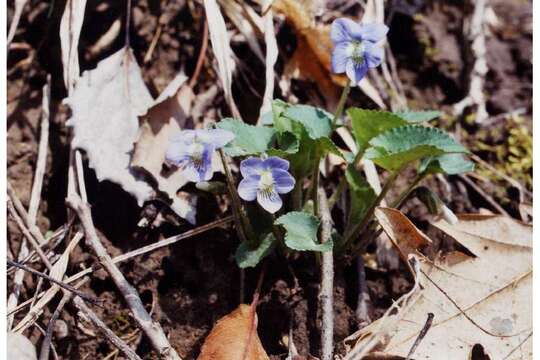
[482, 300]
[234, 337]
[165, 117]
[105, 103]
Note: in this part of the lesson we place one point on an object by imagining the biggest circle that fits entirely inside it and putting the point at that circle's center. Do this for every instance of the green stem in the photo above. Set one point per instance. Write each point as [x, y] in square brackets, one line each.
[341, 103]
[374, 232]
[314, 187]
[243, 226]
[297, 196]
[403, 196]
[369, 213]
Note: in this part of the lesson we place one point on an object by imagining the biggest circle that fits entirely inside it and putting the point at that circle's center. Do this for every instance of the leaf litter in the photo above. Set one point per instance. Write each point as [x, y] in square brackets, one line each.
[483, 299]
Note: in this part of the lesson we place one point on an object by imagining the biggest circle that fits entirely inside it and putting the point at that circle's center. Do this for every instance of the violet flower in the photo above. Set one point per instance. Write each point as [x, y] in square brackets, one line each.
[355, 47]
[264, 180]
[192, 150]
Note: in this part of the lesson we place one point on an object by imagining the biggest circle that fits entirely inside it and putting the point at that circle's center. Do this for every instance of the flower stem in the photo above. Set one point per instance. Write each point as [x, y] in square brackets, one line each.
[341, 103]
[360, 227]
[243, 226]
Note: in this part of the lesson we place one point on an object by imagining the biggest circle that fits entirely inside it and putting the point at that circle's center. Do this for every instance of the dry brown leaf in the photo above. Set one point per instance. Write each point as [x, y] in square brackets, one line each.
[167, 116]
[271, 57]
[405, 237]
[493, 289]
[234, 337]
[105, 104]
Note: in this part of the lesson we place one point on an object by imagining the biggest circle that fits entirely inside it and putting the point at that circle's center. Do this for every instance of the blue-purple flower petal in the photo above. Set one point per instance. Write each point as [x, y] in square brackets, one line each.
[356, 72]
[283, 181]
[373, 55]
[344, 29]
[248, 187]
[216, 137]
[274, 162]
[270, 201]
[340, 57]
[373, 32]
[251, 166]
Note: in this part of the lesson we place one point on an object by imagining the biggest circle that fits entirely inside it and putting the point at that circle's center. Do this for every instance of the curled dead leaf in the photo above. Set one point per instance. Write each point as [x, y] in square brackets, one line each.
[166, 116]
[405, 237]
[234, 337]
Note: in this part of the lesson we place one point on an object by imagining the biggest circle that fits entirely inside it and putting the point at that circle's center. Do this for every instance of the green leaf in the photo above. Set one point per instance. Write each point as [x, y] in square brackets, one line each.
[246, 257]
[367, 124]
[361, 195]
[399, 146]
[249, 139]
[301, 232]
[288, 142]
[317, 122]
[450, 164]
[418, 116]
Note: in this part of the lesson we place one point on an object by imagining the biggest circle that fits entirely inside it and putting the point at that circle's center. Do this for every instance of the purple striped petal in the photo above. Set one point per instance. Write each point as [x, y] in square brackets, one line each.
[356, 72]
[283, 181]
[340, 57]
[251, 166]
[274, 162]
[344, 29]
[248, 187]
[176, 153]
[270, 201]
[373, 32]
[373, 55]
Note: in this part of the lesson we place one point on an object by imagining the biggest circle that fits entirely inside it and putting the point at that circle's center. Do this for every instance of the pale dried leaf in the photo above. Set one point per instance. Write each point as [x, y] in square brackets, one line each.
[70, 31]
[494, 289]
[234, 337]
[105, 104]
[166, 117]
[19, 347]
[57, 272]
[222, 50]
[249, 27]
[271, 57]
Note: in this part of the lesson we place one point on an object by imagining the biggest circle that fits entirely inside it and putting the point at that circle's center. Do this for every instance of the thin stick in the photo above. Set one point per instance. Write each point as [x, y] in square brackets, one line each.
[46, 345]
[32, 228]
[202, 55]
[19, 6]
[107, 333]
[486, 197]
[63, 285]
[80, 175]
[326, 294]
[28, 235]
[421, 335]
[151, 328]
[364, 300]
[137, 252]
[41, 164]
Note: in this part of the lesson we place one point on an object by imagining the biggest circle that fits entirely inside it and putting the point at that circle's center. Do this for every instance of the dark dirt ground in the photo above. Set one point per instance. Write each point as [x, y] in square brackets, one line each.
[192, 284]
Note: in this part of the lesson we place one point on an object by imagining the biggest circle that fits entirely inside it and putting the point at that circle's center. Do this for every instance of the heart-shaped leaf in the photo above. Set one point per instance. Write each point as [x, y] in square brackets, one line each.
[399, 146]
[249, 139]
[247, 257]
[301, 232]
[450, 164]
[367, 124]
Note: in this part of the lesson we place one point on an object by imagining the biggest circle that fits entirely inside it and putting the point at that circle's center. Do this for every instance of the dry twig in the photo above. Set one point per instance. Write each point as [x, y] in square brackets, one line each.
[326, 294]
[151, 328]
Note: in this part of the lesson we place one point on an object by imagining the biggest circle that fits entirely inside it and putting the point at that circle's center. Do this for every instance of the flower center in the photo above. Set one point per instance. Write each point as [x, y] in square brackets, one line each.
[355, 50]
[266, 183]
[196, 151]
